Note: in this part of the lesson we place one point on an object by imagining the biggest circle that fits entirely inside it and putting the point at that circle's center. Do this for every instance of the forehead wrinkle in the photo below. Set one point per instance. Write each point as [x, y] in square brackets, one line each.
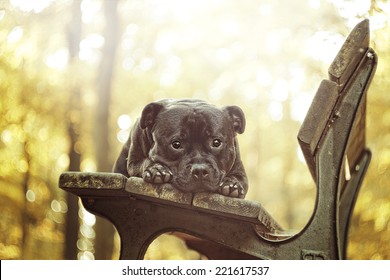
[170, 128]
[189, 122]
[197, 124]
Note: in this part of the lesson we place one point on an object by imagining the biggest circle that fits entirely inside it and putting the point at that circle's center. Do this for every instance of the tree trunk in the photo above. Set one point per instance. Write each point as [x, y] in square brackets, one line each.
[104, 242]
[72, 219]
[25, 213]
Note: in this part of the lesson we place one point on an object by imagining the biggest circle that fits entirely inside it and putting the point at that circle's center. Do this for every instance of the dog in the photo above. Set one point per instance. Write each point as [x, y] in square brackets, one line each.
[188, 143]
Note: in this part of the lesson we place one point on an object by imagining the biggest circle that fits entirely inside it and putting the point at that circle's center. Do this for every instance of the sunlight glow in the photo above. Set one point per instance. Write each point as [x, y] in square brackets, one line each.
[84, 245]
[93, 41]
[59, 206]
[275, 110]
[58, 60]
[268, 57]
[275, 41]
[279, 91]
[323, 46]
[22, 166]
[352, 8]
[124, 121]
[165, 41]
[89, 48]
[266, 9]
[300, 105]
[88, 165]
[122, 136]
[30, 196]
[347, 170]
[88, 218]
[86, 230]
[167, 80]
[297, 74]
[224, 55]
[90, 9]
[250, 91]
[300, 155]
[230, 27]
[6, 136]
[128, 63]
[85, 255]
[264, 77]
[36, 6]
[15, 35]
[146, 64]
[62, 162]
[315, 4]
[2, 14]
[87, 234]
[379, 21]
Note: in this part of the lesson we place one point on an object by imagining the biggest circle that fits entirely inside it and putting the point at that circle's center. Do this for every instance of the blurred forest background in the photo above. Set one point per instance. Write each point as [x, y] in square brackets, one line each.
[74, 75]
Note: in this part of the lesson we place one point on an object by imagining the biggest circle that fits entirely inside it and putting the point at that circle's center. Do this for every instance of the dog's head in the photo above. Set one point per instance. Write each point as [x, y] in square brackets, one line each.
[196, 140]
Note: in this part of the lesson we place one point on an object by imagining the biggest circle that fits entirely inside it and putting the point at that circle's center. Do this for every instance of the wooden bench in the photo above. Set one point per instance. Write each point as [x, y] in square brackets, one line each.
[332, 138]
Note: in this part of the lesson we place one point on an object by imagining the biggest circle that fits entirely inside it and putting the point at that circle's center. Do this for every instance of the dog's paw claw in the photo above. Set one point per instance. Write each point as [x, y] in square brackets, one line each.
[234, 193]
[166, 176]
[232, 189]
[147, 176]
[225, 190]
[157, 174]
[158, 178]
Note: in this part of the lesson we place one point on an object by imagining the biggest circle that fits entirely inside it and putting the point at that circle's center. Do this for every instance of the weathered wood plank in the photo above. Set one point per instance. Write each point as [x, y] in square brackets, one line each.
[221, 203]
[350, 54]
[137, 185]
[316, 121]
[96, 183]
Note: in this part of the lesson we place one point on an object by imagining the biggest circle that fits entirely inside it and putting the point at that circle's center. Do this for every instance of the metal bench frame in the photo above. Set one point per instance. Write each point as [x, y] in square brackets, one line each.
[332, 139]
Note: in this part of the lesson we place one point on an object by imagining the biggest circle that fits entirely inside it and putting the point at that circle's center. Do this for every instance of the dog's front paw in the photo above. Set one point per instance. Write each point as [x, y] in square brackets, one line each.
[157, 174]
[232, 187]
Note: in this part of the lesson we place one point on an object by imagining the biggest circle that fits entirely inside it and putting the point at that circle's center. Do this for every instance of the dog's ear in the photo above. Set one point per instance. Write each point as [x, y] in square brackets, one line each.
[150, 113]
[237, 117]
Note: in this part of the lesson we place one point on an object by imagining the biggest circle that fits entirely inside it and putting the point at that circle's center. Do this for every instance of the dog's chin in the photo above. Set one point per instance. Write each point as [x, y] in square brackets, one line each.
[195, 186]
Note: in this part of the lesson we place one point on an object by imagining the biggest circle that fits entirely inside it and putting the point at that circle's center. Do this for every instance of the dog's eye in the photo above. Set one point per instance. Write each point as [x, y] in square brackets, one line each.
[217, 143]
[176, 145]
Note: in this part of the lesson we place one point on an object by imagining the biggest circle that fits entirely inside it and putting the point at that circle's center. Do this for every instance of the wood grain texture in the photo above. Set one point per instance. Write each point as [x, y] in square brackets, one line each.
[226, 204]
[350, 54]
[101, 183]
[316, 121]
[165, 191]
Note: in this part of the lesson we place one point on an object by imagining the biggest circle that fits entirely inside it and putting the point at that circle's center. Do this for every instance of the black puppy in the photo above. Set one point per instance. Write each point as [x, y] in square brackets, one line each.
[189, 144]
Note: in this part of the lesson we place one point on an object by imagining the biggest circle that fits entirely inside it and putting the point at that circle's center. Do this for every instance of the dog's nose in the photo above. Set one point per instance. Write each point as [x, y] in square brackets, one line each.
[199, 171]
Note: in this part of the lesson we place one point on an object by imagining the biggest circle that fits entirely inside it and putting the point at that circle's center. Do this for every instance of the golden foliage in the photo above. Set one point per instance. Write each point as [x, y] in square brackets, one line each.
[170, 247]
[255, 55]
